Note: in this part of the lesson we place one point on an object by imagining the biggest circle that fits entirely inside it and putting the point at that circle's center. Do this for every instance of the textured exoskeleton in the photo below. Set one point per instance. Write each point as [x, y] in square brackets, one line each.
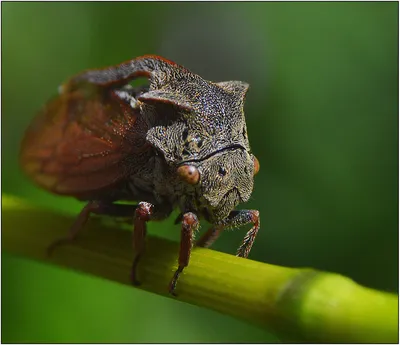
[179, 142]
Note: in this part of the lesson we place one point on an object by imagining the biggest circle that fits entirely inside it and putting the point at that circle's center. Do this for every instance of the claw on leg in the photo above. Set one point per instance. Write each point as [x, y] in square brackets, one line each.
[174, 280]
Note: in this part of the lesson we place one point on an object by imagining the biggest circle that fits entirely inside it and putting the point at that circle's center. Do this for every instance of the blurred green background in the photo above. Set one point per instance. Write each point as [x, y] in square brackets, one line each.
[322, 115]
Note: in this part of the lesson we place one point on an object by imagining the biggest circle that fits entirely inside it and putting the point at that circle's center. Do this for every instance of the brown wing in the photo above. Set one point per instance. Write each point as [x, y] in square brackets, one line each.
[78, 142]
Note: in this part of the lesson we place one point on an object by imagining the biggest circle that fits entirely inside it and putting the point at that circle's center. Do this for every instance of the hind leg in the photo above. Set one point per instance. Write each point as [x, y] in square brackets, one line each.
[92, 207]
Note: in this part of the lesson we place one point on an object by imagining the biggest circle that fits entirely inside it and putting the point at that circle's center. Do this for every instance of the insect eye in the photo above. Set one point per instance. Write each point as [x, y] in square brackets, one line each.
[189, 174]
[222, 171]
[256, 166]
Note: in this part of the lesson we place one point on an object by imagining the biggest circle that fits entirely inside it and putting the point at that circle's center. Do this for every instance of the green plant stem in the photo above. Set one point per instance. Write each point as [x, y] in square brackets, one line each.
[297, 304]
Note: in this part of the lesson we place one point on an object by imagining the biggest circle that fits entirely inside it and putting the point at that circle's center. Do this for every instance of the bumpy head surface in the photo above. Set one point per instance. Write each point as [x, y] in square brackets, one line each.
[206, 141]
[226, 180]
[211, 118]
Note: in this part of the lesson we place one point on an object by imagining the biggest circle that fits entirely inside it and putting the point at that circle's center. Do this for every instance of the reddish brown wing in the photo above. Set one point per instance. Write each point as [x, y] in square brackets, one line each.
[78, 142]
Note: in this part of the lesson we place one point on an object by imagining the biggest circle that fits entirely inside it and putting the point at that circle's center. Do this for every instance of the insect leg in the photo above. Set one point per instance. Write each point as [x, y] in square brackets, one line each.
[210, 236]
[239, 218]
[190, 224]
[235, 219]
[96, 207]
[143, 213]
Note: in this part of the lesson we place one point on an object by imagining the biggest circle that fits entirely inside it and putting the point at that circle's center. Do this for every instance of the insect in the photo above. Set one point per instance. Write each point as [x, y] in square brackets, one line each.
[180, 142]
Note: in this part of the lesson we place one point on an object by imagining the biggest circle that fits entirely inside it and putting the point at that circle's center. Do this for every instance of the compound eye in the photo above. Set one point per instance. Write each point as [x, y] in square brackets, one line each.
[256, 166]
[189, 174]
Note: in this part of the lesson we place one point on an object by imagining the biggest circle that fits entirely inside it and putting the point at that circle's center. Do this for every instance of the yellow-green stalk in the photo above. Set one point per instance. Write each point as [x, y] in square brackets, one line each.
[301, 305]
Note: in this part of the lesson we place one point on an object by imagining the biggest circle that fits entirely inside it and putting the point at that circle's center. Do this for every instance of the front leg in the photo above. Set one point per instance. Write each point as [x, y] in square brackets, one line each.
[243, 217]
[190, 224]
[144, 212]
[234, 220]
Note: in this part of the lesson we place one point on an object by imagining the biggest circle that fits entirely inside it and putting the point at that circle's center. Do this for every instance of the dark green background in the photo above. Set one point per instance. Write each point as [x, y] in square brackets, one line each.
[322, 116]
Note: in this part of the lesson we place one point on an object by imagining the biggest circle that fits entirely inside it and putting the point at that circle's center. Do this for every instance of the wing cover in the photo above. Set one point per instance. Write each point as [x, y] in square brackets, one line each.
[78, 142]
